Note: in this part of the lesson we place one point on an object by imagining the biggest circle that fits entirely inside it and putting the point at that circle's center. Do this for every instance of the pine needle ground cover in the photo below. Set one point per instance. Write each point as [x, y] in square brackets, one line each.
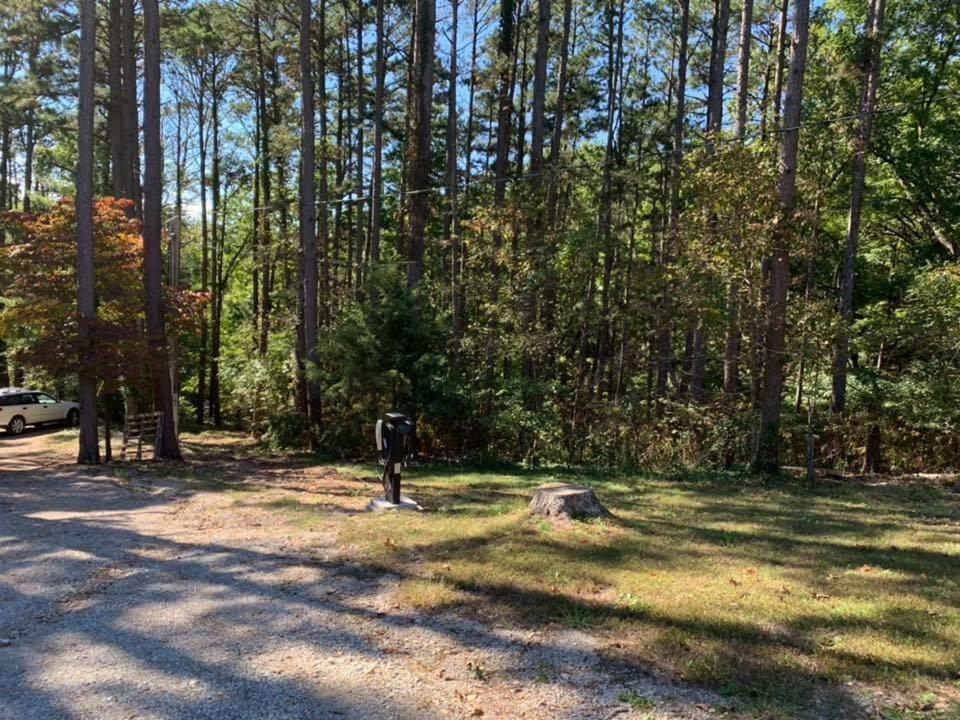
[792, 601]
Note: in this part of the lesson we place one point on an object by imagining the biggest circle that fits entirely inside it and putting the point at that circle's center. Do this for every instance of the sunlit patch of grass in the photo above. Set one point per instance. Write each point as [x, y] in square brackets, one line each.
[428, 595]
[773, 593]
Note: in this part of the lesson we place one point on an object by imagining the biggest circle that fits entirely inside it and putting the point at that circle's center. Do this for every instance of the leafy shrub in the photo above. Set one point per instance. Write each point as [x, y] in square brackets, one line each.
[288, 431]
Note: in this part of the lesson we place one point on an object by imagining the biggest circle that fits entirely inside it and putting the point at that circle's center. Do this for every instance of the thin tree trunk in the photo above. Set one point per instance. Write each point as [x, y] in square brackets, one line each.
[768, 444]
[308, 225]
[743, 68]
[115, 115]
[216, 252]
[731, 355]
[324, 182]
[89, 448]
[204, 247]
[781, 64]
[131, 124]
[664, 341]
[30, 139]
[420, 147]
[173, 256]
[361, 112]
[152, 232]
[376, 179]
[535, 227]
[868, 100]
[266, 197]
[453, 220]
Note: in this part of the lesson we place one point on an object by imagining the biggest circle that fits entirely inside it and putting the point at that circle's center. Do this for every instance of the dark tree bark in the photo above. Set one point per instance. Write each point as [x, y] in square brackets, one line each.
[535, 227]
[743, 68]
[731, 354]
[420, 155]
[376, 176]
[868, 101]
[216, 250]
[453, 190]
[324, 169]
[717, 63]
[308, 224]
[664, 335]
[358, 169]
[89, 450]
[504, 103]
[768, 446]
[781, 65]
[266, 197]
[30, 139]
[204, 242]
[115, 108]
[131, 123]
[714, 126]
[152, 222]
[872, 457]
[559, 114]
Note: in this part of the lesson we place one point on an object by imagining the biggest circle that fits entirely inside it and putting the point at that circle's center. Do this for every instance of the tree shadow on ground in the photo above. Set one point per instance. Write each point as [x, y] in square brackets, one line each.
[46, 529]
[109, 621]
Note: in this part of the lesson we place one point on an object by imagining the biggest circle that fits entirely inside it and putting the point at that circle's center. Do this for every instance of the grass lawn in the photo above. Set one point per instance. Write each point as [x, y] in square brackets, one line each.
[790, 600]
[794, 602]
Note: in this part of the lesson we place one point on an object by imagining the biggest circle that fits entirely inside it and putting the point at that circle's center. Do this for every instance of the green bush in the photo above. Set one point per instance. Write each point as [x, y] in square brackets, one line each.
[288, 431]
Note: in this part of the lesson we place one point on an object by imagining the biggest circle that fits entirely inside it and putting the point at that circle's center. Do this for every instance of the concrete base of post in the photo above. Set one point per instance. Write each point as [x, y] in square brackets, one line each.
[383, 505]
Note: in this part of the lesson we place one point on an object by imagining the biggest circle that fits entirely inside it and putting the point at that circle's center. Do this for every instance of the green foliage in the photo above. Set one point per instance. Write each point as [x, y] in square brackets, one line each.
[388, 353]
[288, 431]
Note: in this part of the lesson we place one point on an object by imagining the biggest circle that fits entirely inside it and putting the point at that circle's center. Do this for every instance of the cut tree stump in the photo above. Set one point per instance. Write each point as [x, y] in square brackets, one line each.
[563, 500]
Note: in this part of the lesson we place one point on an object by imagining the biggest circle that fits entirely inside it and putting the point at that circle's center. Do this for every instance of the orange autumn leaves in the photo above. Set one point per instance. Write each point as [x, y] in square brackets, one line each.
[38, 284]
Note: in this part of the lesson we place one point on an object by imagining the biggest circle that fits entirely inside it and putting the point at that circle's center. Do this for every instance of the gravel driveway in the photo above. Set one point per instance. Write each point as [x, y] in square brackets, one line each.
[120, 602]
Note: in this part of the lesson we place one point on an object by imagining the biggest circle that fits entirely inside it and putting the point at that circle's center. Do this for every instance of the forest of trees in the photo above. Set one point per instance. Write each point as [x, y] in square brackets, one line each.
[673, 233]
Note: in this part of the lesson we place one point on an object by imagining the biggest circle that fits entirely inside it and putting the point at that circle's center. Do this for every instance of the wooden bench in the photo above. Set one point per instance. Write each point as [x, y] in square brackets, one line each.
[144, 428]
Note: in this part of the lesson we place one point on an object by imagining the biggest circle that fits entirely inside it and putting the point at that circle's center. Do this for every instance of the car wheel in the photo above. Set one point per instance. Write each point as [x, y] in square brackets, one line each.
[73, 418]
[17, 425]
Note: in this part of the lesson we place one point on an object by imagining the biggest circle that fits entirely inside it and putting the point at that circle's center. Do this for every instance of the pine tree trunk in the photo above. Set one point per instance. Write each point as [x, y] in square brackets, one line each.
[152, 231]
[731, 355]
[453, 220]
[308, 220]
[131, 125]
[204, 248]
[422, 91]
[768, 445]
[266, 197]
[216, 252]
[324, 182]
[358, 206]
[376, 179]
[781, 65]
[868, 101]
[664, 339]
[89, 450]
[115, 114]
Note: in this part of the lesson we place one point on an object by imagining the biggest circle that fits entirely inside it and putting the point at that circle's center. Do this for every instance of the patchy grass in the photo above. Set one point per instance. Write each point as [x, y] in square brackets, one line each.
[792, 601]
[636, 701]
[424, 594]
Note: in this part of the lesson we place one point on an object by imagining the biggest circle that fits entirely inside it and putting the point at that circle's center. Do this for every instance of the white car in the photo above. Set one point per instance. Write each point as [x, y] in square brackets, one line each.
[20, 407]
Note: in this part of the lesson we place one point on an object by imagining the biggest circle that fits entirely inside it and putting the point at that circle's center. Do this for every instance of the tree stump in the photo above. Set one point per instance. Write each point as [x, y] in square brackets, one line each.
[564, 500]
